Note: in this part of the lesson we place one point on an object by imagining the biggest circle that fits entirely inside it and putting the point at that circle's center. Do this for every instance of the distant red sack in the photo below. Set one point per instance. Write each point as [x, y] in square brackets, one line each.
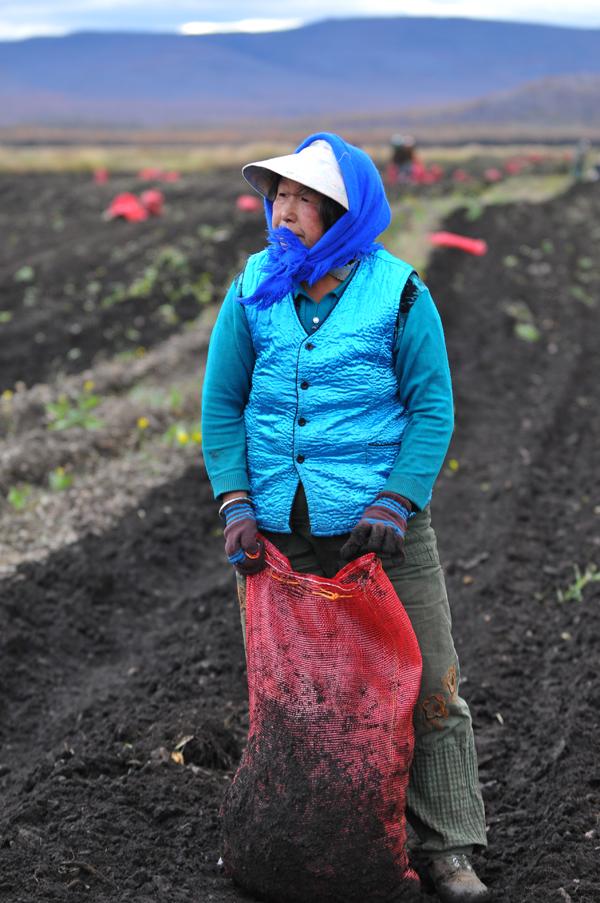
[453, 240]
[152, 201]
[127, 206]
[315, 811]
[149, 173]
[248, 202]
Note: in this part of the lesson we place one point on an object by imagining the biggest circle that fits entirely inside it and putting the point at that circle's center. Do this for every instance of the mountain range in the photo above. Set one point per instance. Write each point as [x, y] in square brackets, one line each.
[439, 70]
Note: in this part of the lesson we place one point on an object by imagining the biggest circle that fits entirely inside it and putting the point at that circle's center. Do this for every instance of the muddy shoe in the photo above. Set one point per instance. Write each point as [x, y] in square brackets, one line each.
[455, 880]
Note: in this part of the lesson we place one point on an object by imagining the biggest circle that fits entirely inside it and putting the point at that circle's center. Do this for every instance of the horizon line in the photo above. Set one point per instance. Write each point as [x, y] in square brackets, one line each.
[259, 25]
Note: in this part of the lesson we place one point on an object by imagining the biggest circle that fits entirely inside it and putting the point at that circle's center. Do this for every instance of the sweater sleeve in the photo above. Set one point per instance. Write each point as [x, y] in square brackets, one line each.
[425, 390]
[225, 392]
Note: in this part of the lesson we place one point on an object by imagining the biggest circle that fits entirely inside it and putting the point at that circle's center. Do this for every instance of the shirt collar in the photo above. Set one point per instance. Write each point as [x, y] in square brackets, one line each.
[338, 290]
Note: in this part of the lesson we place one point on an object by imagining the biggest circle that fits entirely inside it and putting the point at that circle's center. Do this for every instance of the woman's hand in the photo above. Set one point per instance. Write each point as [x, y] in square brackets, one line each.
[242, 547]
[381, 529]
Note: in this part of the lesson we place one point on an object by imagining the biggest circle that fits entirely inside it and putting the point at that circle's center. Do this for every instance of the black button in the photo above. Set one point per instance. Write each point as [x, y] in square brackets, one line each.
[302, 422]
[300, 459]
[304, 385]
[309, 346]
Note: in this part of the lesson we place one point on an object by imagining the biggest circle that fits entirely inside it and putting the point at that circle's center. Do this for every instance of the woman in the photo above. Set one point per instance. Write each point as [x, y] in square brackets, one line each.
[327, 414]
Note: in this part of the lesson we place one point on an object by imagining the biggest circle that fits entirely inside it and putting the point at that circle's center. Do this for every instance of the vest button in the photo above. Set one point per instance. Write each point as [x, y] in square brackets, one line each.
[309, 346]
[302, 422]
[300, 459]
[304, 385]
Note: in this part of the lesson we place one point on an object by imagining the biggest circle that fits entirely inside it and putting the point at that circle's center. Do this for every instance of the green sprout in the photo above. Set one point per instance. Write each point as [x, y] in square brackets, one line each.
[183, 434]
[59, 479]
[585, 263]
[24, 274]
[527, 332]
[66, 413]
[143, 286]
[118, 294]
[168, 314]
[580, 294]
[574, 592]
[18, 496]
[524, 327]
[171, 258]
[175, 399]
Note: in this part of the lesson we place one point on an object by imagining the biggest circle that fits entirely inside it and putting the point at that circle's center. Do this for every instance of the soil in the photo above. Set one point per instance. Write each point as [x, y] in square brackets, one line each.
[123, 711]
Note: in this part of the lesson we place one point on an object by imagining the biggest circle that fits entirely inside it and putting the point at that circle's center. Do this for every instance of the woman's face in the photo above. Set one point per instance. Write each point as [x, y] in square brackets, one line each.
[298, 209]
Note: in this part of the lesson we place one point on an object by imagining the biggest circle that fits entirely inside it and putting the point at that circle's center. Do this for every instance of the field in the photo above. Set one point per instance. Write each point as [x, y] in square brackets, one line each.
[123, 706]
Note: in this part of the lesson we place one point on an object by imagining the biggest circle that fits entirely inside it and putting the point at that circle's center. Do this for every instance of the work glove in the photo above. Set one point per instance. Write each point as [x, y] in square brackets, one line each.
[381, 529]
[242, 548]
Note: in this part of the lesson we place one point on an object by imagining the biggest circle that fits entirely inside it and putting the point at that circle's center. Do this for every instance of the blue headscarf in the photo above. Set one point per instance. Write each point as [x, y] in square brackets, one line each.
[352, 237]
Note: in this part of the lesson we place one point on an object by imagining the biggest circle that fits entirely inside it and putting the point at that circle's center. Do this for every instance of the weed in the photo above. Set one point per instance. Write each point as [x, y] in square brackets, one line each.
[118, 294]
[524, 327]
[158, 398]
[527, 332]
[168, 314]
[93, 288]
[168, 261]
[59, 479]
[171, 258]
[202, 289]
[143, 286]
[18, 496]
[585, 263]
[474, 210]
[573, 593]
[175, 400]
[182, 434]
[5, 316]
[205, 231]
[66, 413]
[519, 311]
[24, 274]
[580, 294]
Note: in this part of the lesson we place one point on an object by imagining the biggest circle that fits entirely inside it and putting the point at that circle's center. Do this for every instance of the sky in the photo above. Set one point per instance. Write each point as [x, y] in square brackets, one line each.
[28, 18]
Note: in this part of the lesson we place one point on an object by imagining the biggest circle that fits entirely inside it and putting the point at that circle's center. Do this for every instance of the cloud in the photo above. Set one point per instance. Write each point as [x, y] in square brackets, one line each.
[243, 25]
[10, 31]
[578, 12]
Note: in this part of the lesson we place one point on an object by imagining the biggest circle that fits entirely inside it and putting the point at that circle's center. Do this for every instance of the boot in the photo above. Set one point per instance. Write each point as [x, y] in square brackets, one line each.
[455, 880]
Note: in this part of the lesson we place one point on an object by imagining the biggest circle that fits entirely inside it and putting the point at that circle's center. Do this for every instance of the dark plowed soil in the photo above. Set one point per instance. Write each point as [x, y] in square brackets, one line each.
[76, 286]
[123, 699]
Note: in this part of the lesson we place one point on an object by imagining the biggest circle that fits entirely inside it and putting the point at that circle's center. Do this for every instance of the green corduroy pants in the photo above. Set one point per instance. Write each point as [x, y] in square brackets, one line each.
[444, 804]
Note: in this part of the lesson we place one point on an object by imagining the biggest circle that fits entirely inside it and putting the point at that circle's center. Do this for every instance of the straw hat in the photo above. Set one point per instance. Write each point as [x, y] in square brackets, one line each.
[314, 166]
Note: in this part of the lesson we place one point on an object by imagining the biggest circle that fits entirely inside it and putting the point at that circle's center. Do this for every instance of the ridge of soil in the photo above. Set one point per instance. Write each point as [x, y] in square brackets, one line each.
[123, 707]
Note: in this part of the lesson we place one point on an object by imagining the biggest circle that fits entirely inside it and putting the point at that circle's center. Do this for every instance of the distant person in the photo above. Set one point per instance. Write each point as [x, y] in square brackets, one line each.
[402, 158]
[327, 414]
[580, 158]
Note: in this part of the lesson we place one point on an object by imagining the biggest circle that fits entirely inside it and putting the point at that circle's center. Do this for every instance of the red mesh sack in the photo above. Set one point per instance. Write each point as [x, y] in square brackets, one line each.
[315, 811]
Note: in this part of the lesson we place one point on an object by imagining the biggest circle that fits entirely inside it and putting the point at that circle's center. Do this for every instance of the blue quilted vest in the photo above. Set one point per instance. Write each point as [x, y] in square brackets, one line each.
[323, 408]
